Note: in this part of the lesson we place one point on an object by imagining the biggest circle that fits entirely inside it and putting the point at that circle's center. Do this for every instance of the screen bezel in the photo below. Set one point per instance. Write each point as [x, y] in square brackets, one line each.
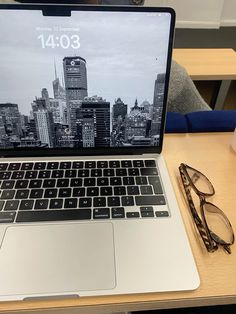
[63, 10]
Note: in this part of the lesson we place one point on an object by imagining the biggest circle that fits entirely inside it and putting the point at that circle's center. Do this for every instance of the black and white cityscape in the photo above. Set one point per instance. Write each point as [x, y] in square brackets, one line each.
[67, 115]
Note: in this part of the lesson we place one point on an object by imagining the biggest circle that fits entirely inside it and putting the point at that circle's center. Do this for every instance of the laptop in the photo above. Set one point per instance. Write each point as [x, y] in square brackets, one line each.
[86, 203]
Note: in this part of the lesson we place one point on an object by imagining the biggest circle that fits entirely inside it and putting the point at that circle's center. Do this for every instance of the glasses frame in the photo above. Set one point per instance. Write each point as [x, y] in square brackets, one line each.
[210, 239]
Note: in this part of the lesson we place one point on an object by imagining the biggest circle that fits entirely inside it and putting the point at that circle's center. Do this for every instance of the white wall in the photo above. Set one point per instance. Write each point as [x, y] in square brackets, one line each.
[201, 13]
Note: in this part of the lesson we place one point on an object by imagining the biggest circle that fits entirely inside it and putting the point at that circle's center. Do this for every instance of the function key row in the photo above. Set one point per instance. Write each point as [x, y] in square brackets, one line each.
[73, 173]
[77, 165]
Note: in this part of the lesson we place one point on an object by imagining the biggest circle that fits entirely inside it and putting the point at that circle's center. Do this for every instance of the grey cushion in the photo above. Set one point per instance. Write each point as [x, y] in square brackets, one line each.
[183, 96]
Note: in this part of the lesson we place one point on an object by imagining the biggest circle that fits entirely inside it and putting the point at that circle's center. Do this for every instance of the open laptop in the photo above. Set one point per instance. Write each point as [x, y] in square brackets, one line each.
[86, 203]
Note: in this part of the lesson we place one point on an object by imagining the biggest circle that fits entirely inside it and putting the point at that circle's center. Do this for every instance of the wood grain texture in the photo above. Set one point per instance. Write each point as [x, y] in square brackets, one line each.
[207, 64]
[211, 154]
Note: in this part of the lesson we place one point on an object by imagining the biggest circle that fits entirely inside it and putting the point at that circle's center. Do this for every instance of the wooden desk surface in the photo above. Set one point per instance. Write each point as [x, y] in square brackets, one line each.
[210, 153]
[207, 64]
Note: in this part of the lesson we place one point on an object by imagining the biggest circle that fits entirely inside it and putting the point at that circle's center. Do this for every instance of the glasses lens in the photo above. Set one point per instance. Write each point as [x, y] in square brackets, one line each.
[217, 222]
[200, 181]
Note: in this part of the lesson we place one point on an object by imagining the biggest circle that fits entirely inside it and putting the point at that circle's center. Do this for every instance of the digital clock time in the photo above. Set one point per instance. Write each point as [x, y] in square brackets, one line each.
[63, 41]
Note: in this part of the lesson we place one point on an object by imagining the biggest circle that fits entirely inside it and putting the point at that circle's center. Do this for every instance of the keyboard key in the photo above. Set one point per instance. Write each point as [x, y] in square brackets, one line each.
[89, 182]
[50, 193]
[102, 181]
[162, 214]
[3, 166]
[150, 200]
[121, 172]
[65, 165]
[99, 202]
[5, 175]
[53, 215]
[31, 174]
[132, 215]
[52, 165]
[76, 182]
[146, 190]
[113, 201]
[36, 193]
[66, 192]
[138, 163]
[18, 175]
[7, 217]
[119, 190]
[44, 174]
[147, 211]
[96, 172]
[156, 183]
[77, 192]
[39, 165]
[21, 184]
[150, 163]
[132, 190]
[108, 172]
[106, 190]
[49, 183]
[70, 174]
[115, 181]
[71, 203]
[57, 174]
[26, 205]
[118, 212]
[35, 184]
[63, 183]
[90, 164]
[127, 201]
[41, 204]
[14, 166]
[83, 173]
[78, 165]
[148, 171]
[141, 180]
[11, 205]
[101, 213]
[126, 163]
[128, 181]
[114, 163]
[133, 172]
[85, 202]
[8, 184]
[21, 194]
[93, 191]
[27, 166]
[56, 203]
[8, 194]
[102, 164]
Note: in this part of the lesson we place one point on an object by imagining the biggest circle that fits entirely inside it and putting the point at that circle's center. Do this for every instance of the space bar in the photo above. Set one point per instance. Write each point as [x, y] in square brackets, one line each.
[53, 215]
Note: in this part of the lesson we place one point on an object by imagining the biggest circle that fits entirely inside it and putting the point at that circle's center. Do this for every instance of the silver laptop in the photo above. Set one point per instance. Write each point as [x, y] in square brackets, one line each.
[86, 203]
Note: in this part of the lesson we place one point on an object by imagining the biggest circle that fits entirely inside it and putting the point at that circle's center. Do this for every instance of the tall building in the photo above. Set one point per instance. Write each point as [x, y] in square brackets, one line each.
[119, 109]
[11, 119]
[58, 90]
[44, 122]
[158, 104]
[75, 75]
[95, 116]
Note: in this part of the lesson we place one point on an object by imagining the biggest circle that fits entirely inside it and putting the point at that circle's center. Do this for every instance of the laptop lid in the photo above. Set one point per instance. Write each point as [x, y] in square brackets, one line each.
[78, 80]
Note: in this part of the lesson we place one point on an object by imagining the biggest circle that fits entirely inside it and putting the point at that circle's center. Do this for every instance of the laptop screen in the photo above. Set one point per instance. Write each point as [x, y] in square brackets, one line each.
[94, 79]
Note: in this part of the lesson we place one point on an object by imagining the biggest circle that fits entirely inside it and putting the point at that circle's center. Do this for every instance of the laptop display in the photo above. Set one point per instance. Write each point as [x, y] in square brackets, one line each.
[95, 79]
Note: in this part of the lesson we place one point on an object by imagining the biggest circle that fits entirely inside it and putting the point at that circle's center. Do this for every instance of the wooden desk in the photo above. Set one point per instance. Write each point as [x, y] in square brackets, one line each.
[211, 154]
[209, 65]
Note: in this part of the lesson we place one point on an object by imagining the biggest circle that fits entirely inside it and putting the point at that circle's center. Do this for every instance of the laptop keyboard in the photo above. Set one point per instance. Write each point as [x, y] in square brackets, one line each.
[80, 190]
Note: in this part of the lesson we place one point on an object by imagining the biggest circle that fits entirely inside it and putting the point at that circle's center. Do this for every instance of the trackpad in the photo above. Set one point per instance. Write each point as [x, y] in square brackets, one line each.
[57, 258]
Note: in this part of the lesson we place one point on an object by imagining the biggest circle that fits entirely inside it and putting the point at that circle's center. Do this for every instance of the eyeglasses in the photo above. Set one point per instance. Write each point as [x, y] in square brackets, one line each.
[213, 225]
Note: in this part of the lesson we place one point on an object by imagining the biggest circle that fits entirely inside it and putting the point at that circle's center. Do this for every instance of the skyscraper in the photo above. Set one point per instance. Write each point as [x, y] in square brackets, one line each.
[44, 122]
[158, 104]
[75, 75]
[95, 116]
[11, 119]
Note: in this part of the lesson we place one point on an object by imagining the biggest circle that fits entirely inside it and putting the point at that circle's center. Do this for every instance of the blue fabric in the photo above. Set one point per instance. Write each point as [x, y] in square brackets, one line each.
[211, 121]
[176, 123]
